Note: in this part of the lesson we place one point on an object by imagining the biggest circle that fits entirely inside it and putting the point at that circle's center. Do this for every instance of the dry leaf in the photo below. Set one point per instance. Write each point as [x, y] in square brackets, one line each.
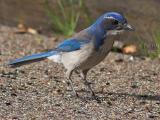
[32, 31]
[129, 49]
[21, 29]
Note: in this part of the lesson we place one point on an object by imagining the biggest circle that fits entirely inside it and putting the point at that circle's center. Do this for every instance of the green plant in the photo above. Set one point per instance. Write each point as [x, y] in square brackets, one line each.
[143, 47]
[66, 15]
[156, 38]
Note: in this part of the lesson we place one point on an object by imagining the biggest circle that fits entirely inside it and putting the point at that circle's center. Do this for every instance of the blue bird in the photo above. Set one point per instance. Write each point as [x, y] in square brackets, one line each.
[85, 49]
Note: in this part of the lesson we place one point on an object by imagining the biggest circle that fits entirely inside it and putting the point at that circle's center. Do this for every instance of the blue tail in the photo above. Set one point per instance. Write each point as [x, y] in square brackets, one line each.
[31, 58]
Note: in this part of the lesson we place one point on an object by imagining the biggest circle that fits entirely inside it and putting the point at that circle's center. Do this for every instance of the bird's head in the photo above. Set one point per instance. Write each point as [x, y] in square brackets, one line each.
[113, 23]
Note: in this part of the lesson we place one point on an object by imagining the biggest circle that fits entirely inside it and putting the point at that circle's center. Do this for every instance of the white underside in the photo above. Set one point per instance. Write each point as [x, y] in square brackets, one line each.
[85, 58]
[73, 59]
[55, 58]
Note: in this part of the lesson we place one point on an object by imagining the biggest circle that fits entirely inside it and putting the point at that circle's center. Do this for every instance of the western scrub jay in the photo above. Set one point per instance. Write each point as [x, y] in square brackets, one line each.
[85, 49]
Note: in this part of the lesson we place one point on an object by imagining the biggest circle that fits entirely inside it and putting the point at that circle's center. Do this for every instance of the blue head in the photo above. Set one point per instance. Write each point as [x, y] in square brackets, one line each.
[111, 23]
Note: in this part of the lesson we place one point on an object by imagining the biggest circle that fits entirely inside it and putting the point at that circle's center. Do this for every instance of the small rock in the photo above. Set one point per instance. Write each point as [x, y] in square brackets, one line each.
[57, 104]
[134, 85]
[152, 116]
[119, 60]
[109, 103]
[118, 44]
[29, 83]
[107, 83]
[14, 94]
[102, 69]
[15, 118]
[143, 102]
[8, 103]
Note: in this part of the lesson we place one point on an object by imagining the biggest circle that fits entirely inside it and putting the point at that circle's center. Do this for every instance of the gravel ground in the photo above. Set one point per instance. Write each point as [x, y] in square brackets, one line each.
[127, 88]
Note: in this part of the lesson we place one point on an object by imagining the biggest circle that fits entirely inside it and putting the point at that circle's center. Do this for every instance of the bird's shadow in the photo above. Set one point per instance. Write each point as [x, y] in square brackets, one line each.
[137, 96]
[107, 95]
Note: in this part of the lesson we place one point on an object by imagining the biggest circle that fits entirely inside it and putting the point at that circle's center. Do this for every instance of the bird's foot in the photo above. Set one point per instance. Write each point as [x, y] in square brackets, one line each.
[76, 95]
[95, 97]
[87, 83]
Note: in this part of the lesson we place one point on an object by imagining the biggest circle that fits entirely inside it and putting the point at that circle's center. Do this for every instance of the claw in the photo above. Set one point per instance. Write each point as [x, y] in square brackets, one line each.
[94, 97]
[76, 94]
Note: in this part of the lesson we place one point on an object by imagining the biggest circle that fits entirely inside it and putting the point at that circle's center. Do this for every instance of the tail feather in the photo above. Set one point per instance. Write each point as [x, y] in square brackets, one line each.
[31, 58]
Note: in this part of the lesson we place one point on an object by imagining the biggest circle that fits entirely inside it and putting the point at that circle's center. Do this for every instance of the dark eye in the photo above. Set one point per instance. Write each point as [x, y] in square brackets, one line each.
[115, 22]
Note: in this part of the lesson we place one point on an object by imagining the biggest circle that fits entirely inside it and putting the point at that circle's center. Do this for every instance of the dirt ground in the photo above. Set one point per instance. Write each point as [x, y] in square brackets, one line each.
[128, 88]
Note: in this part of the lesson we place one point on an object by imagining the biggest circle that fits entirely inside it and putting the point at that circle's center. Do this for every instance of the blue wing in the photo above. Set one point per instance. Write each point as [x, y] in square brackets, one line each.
[71, 45]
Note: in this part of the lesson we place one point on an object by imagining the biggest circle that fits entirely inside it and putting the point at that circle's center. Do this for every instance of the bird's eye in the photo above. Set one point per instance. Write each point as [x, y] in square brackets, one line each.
[115, 22]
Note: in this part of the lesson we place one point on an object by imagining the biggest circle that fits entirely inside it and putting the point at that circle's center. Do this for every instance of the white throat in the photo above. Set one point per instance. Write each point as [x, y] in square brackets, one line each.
[114, 32]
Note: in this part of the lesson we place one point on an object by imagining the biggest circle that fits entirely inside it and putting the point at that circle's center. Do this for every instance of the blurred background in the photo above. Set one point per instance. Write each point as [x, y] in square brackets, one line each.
[64, 17]
[127, 81]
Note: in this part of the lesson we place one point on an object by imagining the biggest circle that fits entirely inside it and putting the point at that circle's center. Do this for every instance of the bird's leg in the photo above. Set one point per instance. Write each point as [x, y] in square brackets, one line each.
[69, 74]
[84, 75]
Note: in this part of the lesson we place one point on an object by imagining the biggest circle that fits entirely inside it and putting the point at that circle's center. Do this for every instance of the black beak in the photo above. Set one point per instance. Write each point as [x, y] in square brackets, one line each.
[128, 27]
